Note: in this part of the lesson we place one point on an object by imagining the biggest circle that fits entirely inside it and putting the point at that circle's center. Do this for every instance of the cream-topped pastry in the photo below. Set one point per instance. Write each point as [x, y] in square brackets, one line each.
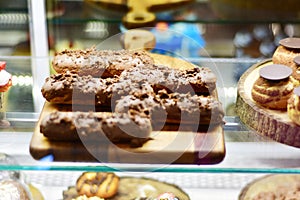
[273, 87]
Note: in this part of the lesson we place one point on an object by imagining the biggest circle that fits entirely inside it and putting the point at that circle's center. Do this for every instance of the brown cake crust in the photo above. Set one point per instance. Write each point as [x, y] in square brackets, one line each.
[99, 63]
[96, 127]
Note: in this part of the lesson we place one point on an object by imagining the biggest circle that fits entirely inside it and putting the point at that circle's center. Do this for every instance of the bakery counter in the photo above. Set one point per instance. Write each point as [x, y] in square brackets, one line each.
[246, 151]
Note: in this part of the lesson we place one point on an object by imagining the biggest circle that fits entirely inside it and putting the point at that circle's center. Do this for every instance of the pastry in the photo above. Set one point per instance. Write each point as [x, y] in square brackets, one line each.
[199, 80]
[174, 108]
[295, 77]
[287, 50]
[13, 190]
[92, 126]
[273, 87]
[272, 187]
[145, 103]
[202, 80]
[84, 197]
[139, 188]
[103, 185]
[293, 106]
[99, 63]
[71, 88]
[191, 109]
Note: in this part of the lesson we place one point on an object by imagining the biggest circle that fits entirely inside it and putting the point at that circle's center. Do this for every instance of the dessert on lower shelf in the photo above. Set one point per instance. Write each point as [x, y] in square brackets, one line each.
[84, 197]
[110, 186]
[174, 108]
[272, 187]
[14, 190]
[104, 185]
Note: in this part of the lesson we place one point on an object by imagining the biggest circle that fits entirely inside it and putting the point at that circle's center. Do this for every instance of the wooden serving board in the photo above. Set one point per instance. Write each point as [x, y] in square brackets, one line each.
[273, 124]
[166, 147]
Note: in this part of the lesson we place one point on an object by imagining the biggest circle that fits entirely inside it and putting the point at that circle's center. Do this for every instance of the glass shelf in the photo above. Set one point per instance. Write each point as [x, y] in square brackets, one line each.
[246, 151]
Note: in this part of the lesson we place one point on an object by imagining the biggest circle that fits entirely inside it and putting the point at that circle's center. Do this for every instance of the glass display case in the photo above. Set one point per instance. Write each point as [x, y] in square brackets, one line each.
[226, 39]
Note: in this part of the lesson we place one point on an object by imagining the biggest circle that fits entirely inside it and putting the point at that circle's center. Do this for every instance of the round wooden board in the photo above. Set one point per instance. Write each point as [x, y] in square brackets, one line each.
[273, 124]
[269, 183]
